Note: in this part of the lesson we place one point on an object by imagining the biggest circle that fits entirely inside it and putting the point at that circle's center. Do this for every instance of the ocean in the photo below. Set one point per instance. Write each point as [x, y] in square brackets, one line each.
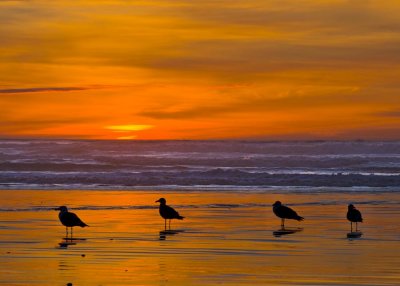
[317, 166]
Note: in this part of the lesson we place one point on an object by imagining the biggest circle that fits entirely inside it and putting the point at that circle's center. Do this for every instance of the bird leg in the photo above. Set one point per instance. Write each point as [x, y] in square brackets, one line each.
[71, 232]
[351, 226]
[169, 226]
[356, 226]
[165, 224]
[66, 232]
[283, 223]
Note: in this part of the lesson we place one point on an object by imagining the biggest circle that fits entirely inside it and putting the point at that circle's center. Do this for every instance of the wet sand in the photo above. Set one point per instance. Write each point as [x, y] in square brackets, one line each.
[226, 238]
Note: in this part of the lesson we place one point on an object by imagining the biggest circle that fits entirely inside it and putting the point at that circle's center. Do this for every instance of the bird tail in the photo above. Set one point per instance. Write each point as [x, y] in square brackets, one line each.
[83, 224]
[180, 217]
[299, 218]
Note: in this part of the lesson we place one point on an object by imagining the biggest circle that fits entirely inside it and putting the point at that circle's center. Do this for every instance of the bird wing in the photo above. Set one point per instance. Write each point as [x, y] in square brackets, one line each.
[171, 213]
[354, 215]
[288, 213]
[72, 219]
[357, 215]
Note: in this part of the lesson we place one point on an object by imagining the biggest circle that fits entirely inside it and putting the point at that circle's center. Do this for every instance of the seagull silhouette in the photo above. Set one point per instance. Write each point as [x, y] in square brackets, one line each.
[69, 219]
[353, 215]
[166, 212]
[285, 212]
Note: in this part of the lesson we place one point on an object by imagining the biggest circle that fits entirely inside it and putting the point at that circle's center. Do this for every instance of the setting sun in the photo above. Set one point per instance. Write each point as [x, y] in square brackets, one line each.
[128, 128]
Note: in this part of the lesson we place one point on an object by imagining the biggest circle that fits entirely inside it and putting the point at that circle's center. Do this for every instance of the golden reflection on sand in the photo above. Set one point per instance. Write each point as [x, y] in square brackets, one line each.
[226, 238]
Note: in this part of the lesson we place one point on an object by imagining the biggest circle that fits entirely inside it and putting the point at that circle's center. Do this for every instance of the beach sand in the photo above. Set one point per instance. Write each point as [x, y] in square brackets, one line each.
[226, 238]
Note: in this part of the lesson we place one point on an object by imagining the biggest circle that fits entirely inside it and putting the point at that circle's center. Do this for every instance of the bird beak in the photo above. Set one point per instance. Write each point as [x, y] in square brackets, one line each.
[57, 209]
[157, 201]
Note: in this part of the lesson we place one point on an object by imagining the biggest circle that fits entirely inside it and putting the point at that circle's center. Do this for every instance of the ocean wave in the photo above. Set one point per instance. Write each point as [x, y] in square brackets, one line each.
[190, 178]
[204, 188]
[180, 170]
[123, 165]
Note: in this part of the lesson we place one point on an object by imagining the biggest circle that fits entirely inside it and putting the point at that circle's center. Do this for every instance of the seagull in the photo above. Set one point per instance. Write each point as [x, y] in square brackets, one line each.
[69, 219]
[285, 212]
[166, 212]
[353, 215]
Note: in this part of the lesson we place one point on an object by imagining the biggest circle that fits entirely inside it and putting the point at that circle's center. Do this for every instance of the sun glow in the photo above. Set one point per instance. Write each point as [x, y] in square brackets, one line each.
[129, 127]
[131, 137]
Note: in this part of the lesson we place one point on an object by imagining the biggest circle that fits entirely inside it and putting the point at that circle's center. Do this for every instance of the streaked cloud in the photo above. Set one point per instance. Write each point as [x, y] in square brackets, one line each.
[10, 126]
[41, 89]
[280, 99]
[393, 113]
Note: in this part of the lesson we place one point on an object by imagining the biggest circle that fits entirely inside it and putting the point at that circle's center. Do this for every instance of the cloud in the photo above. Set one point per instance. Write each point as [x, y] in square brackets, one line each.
[394, 113]
[19, 125]
[287, 13]
[250, 58]
[9, 125]
[219, 36]
[288, 100]
[49, 136]
[196, 112]
[41, 89]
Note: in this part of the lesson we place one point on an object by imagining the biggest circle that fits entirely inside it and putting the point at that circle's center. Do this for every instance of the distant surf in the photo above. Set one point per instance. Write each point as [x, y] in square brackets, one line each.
[200, 165]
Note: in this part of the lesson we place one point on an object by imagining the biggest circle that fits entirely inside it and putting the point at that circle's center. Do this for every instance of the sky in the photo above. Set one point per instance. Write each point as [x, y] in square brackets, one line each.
[147, 70]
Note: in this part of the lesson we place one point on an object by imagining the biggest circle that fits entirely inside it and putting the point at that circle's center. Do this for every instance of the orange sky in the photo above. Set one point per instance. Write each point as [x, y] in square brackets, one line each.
[259, 69]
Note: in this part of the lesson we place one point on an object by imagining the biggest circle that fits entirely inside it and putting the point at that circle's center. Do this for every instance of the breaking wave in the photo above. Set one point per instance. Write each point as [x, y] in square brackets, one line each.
[201, 165]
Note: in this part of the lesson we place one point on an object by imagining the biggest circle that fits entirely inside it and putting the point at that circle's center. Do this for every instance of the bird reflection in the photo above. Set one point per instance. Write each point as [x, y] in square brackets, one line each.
[68, 241]
[66, 265]
[65, 243]
[286, 231]
[165, 233]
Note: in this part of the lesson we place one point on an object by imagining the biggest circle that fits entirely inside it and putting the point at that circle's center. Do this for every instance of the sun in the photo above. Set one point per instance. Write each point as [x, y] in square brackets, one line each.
[128, 127]
[127, 130]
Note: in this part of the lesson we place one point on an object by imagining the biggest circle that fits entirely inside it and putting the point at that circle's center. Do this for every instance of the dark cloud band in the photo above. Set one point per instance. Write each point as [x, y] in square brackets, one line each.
[41, 89]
